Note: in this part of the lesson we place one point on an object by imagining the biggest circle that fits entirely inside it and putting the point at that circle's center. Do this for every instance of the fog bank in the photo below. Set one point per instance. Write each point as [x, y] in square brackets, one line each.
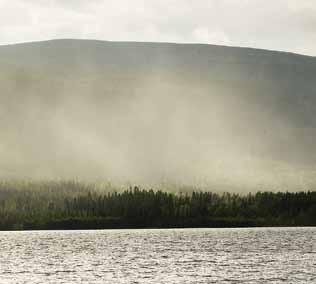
[148, 113]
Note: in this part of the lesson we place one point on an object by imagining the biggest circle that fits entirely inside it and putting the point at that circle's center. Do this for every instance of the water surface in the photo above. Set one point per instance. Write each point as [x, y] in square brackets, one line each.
[248, 255]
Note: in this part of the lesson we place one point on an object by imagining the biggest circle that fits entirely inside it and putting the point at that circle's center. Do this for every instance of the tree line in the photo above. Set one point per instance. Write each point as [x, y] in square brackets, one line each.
[76, 205]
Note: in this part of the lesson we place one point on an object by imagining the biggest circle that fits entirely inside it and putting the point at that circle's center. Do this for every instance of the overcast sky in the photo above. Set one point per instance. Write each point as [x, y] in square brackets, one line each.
[288, 25]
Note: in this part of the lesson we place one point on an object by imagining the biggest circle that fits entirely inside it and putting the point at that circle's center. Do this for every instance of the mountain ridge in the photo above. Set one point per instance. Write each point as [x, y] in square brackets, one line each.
[155, 43]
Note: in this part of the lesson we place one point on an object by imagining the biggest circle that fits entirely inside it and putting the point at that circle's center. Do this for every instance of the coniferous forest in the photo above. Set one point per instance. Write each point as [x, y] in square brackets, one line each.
[76, 205]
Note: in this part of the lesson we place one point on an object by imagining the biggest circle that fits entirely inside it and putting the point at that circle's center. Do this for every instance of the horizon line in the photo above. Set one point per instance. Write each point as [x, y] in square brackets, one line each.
[155, 42]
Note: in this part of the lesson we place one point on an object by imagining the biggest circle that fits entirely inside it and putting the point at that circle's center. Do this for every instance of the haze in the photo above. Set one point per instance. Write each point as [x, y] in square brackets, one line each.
[222, 117]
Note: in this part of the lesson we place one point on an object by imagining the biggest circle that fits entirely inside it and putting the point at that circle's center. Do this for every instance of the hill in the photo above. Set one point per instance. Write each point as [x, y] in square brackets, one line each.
[155, 112]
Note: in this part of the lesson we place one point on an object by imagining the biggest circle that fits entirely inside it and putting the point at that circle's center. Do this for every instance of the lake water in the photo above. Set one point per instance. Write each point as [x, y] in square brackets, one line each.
[248, 255]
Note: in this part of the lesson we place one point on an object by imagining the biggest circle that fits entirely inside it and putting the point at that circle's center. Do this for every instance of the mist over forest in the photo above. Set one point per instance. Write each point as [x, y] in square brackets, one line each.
[212, 116]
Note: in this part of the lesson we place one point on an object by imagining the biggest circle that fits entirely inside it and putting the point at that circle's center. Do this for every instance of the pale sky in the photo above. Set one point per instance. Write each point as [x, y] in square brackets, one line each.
[287, 25]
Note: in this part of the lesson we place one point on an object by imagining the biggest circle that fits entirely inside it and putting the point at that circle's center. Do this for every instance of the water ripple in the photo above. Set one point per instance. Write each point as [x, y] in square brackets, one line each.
[257, 255]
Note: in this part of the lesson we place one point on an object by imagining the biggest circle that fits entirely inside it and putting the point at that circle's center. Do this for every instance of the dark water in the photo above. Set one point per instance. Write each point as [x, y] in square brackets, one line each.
[256, 255]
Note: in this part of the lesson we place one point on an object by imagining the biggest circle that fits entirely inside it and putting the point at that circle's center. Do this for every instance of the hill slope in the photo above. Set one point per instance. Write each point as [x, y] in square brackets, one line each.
[153, 111]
